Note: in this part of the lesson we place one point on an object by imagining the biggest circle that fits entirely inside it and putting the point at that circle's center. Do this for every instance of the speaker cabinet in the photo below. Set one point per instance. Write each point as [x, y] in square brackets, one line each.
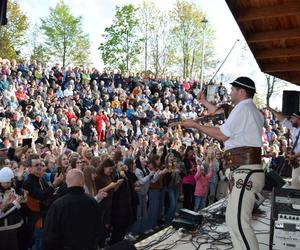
[290, 102]
[3, 10]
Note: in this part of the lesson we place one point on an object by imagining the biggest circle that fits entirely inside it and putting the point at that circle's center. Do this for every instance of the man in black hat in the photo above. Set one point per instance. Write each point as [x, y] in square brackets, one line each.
[241, 134]
[293, 124]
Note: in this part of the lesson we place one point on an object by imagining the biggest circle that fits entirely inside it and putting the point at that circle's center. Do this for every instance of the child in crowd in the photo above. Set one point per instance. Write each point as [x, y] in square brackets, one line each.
[202, 180]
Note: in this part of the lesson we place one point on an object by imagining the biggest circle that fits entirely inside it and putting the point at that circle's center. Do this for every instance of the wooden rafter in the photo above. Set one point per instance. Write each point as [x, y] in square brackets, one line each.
[277, 53]
[286, 9]
[281, 67]
[273, 35]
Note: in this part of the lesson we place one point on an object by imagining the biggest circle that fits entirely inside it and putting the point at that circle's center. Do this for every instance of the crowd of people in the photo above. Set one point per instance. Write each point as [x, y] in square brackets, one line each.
[111, 135]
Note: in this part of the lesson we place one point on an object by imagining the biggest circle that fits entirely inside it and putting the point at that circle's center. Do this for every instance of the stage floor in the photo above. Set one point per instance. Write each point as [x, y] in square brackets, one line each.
[213, 233]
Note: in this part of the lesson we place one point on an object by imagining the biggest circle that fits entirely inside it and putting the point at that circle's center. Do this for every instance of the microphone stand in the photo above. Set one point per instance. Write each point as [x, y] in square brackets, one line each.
[223, 61]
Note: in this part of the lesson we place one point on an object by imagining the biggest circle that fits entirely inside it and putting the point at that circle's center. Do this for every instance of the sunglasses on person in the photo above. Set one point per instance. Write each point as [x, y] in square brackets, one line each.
[39, 165]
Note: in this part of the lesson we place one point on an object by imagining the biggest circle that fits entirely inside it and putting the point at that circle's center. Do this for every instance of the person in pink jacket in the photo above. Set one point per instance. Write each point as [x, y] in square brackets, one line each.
[202, 180]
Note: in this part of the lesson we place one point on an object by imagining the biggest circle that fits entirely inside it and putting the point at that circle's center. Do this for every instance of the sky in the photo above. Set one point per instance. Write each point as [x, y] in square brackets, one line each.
[98, 14]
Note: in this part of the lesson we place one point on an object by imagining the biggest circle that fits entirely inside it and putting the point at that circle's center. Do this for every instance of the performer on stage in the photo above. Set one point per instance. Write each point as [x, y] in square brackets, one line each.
[293, 124]
[241, 134]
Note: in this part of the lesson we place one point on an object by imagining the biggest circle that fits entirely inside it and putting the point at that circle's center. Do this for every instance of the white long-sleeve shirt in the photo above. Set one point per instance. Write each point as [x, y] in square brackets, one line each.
[294, 133]
[243, 126]
[145, 181]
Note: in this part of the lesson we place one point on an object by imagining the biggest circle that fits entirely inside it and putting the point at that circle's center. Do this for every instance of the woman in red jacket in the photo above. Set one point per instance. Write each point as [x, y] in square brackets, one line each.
[101, 121]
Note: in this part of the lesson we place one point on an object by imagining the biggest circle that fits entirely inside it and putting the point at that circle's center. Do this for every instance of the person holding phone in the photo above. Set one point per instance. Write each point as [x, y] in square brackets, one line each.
[104, 182]
[122, 213]
[10, 217]
[39, 195]
[145, 177]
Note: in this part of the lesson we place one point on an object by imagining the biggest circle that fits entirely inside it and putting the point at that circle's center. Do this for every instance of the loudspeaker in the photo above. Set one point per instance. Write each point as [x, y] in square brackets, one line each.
[3, 10]
[184, 223]
[290, 102]
[124, 245]
[273, 180]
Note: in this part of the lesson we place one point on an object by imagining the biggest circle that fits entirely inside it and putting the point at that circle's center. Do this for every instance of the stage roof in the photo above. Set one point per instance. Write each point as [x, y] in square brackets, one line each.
[272, 31]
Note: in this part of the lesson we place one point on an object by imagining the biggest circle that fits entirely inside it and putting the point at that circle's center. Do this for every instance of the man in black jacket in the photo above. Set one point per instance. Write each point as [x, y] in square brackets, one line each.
[39, 196]
[73, 221]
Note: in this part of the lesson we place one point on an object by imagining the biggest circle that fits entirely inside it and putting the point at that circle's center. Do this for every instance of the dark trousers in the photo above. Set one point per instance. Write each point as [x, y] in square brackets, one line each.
[188, 196]
[117, 234]
[9, 240]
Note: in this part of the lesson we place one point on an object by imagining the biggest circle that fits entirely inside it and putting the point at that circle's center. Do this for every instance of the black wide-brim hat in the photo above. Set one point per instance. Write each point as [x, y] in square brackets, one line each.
[245, 83]
[296, 114]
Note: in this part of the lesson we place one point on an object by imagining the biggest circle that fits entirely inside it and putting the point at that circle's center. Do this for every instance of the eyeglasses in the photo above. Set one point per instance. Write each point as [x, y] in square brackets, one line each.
[39, 165]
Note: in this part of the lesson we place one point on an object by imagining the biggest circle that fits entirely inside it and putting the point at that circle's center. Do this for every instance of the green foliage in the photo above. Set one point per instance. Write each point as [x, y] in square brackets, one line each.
[259, 101]
[41, 54]
[64, 36]
[12, 35]
[155, 27]
[187, 39]
[122, 45]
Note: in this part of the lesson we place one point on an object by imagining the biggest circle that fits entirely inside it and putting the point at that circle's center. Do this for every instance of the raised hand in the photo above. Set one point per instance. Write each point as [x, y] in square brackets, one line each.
[201, 97]
[58, 179]
[101, 195]
[189, 124]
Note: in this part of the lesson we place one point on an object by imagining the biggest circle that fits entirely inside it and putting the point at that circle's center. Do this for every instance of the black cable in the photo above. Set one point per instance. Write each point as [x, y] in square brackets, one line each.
[205, 234]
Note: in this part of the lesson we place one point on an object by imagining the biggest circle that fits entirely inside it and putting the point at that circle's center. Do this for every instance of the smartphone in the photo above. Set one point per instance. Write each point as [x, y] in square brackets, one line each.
[59, 170]
[27, 142]
[21, 192]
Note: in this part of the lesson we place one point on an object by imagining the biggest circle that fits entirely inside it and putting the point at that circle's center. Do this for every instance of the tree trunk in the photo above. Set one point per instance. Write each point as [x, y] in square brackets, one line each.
[64, 51]
[127, 50]
[146, 47]
[270, 84]
[192, 64]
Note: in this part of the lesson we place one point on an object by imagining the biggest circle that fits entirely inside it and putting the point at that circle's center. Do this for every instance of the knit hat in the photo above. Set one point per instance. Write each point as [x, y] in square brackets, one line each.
[6, 174]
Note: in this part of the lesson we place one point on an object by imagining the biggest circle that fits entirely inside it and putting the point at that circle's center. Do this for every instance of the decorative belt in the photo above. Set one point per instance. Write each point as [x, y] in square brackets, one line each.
[242, 156]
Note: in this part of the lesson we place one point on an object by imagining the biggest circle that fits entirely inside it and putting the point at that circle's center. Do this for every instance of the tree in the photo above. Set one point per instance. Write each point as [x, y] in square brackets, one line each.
[274, 85]
[156, 29]
[259, 101]
[156, 34]
[187, 38]
[40, 53]
[146, 11]
[122, 45]
[64, 36]
[160, 45]
[12, 35]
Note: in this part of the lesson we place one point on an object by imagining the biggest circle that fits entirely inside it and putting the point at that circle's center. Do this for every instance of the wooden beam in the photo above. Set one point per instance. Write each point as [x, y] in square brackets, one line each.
[281, 67]
[277, 53]
[273, 35]
[287, 9]
[294, 78]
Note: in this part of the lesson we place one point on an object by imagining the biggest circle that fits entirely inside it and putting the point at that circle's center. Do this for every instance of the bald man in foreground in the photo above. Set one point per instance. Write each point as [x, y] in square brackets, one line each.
[73, 221]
